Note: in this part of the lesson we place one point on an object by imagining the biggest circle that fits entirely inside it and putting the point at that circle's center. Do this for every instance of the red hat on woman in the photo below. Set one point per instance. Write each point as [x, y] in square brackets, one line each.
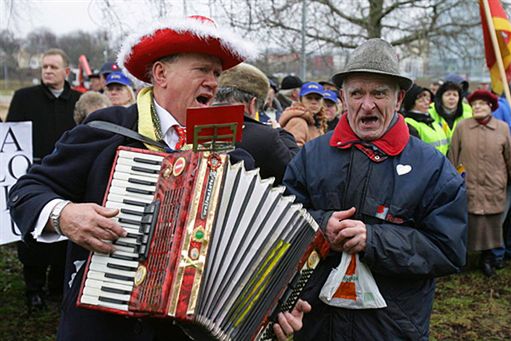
[484, 95]
[195, 34]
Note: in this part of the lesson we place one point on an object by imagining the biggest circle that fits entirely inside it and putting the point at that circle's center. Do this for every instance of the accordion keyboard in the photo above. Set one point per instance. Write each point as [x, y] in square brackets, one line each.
[111, 277]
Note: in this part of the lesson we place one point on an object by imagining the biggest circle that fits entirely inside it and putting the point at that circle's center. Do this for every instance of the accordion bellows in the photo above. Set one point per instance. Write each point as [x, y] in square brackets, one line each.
[209, 244]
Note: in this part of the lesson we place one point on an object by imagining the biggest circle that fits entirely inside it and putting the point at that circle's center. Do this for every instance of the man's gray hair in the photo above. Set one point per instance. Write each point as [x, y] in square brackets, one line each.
[57, 52]
[232, 95]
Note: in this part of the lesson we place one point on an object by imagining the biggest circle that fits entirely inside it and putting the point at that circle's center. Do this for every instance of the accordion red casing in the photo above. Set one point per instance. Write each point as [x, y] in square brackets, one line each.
[208, 243]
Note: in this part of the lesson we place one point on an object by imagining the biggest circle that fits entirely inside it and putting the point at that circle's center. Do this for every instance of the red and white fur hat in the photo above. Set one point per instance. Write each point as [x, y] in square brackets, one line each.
[194, 34]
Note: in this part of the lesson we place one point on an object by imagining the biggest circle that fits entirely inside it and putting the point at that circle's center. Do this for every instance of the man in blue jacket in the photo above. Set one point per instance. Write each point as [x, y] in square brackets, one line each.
[389, 197]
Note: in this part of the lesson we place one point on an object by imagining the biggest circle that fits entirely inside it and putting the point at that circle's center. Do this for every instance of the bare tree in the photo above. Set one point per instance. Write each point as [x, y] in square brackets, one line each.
[414, 24]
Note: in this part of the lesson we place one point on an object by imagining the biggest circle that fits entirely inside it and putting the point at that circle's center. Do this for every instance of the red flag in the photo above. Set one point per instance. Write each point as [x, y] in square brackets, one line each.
[503, 32]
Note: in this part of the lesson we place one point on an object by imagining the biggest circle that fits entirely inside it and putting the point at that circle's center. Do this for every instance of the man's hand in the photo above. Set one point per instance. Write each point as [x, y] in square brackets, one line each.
[346, 234]
[290, 322]
[88, 225]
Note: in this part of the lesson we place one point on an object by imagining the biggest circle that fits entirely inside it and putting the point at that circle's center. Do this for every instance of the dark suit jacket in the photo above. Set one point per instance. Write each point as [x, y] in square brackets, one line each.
[50, 116]
[272, 149]
[79, 170]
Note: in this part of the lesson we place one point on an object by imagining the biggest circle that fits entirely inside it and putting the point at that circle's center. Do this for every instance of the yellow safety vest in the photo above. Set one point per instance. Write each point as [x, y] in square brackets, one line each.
[433, 135]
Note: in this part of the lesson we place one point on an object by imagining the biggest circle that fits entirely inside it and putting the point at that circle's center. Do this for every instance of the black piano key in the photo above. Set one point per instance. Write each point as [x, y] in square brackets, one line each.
[123, 257]
[120, 267]
[119, 277]
[146, 161]
[112, 300]
[129, 221]
[134, 236]
[115, 291]
[132, 212]
[139, 191]
[145, 170]
[134, 203]
[142, 182]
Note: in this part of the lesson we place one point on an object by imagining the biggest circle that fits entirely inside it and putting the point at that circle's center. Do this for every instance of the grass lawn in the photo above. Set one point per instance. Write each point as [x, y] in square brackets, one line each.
[468, 306]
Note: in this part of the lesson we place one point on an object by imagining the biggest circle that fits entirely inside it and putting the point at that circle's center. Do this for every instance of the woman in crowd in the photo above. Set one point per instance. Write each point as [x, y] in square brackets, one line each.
[333, 108]
[481, 148]
[118, 89]
[88, 103]
[448, 108]
[420, 123]
[306, 119]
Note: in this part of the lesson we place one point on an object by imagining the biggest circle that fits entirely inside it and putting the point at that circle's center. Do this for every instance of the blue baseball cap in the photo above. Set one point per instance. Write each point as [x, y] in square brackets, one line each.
[311, 88]
[108, 68]
[118, 78]
[330, 95]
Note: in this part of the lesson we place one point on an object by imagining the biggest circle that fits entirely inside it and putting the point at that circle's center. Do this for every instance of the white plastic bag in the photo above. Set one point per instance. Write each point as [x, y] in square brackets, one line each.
[351, 285]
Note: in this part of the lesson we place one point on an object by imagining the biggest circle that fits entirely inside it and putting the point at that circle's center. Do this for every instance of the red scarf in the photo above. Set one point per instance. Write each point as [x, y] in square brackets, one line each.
[391, 143]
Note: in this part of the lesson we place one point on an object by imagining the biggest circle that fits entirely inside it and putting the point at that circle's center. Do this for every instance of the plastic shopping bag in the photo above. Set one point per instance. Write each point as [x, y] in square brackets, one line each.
[351, 285]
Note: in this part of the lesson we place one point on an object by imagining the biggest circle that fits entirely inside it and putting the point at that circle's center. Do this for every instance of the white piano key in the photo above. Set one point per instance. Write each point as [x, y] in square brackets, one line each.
[102, 268]
[131, 155]
[104, 260]
[129, 170]
[86, 299]
[127, 250]
[120, 199]
[130, 195]
[127, 184]
[97, 292]
[94, 283]
[98, 275]
[132, 163]
[134, 177]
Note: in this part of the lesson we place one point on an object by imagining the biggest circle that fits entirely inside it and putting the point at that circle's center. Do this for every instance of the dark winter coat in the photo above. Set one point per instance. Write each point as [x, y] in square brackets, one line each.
[414, 208]
[272, 149]
[50, 116]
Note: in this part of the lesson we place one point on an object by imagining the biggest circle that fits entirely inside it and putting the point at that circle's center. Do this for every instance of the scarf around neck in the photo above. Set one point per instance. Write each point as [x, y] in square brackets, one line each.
[391, 143]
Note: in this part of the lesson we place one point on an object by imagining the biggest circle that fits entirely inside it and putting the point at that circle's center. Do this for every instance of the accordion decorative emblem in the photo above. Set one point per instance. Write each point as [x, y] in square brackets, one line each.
[209, 244]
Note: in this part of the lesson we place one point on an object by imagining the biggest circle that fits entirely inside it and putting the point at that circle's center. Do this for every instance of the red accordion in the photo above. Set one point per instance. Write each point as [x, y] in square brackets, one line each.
[208, 243]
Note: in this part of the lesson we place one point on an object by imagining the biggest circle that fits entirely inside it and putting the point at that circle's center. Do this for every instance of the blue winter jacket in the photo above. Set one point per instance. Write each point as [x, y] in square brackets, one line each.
[414, 208]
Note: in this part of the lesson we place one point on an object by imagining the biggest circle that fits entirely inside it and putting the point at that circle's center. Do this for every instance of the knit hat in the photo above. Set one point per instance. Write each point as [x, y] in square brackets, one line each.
[247, 78]
[373, 56]
[411, 96]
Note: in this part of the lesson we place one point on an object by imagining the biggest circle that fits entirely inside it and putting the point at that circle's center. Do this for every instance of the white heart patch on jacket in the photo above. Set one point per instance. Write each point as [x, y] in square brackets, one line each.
[403, 169]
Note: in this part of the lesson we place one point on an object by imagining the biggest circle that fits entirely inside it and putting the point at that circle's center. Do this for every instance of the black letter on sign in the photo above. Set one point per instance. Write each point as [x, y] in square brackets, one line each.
[14, 141]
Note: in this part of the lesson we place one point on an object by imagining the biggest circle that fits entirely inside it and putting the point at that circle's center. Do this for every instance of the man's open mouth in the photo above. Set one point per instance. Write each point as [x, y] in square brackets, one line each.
[203, 99]
[369, 119]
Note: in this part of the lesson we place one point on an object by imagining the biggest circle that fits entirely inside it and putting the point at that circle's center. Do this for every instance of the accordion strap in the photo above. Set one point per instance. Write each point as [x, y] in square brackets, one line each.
[117, 129]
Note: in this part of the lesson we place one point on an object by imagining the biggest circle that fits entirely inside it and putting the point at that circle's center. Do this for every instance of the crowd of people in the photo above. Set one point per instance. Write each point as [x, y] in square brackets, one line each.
[408, 177]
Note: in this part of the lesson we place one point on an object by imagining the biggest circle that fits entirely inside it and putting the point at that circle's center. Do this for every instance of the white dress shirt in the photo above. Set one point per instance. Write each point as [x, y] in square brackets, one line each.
[170, 137]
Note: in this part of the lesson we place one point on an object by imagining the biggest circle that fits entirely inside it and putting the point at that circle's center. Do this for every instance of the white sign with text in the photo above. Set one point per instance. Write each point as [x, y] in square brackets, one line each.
[15, 159]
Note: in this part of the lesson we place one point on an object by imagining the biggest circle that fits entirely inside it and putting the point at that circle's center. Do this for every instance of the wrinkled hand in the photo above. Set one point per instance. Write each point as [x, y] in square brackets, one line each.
[290, 322]
[88, 225]
[346, 234]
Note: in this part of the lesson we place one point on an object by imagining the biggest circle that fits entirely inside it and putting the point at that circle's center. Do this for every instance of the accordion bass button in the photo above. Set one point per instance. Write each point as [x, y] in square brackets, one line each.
[140, 275]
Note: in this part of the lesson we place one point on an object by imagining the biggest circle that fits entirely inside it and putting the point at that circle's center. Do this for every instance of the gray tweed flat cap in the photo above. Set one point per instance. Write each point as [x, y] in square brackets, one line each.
[373, 56]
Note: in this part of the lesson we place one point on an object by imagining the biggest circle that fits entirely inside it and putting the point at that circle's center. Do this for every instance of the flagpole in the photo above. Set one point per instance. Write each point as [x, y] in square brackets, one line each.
[496, 49]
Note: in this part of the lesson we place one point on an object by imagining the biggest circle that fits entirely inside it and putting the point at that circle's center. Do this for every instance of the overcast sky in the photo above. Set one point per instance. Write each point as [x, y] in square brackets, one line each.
[64, 16]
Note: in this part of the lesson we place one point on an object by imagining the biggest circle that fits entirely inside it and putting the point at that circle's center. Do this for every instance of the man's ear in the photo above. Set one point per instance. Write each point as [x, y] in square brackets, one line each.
[341, 96]
[251, 107]
[68, 71]
[159, 73]
[400, 97]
